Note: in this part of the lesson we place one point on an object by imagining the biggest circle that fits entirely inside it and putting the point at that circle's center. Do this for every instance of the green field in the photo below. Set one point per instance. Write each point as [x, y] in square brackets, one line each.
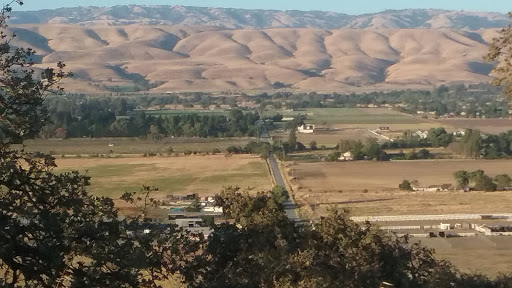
[205, 175]
[91, 146]
[328, 116]
[173, 112]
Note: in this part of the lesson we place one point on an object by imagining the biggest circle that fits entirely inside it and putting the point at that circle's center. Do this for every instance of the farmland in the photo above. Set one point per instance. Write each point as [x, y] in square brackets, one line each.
[352, 123]
[488, 255]
[89, 146]
[370, 188]
[172, 175]
[351, 116]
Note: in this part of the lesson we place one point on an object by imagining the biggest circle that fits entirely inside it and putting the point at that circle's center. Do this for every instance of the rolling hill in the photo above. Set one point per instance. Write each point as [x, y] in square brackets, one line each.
[177, 48]
[175, 58]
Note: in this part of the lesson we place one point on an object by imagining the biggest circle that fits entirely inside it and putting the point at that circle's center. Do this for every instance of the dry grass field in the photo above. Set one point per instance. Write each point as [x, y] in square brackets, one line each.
[488, 255]
[491, 126]
[205, 175]
[89, 146]
[370, 188]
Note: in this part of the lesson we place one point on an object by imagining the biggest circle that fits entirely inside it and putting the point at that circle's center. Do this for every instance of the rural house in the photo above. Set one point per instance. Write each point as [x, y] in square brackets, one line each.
[347, 156]
[306, 128]
[421, 134]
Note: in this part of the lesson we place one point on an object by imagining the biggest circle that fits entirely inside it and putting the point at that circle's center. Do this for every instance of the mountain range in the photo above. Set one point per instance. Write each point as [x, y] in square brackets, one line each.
[261, 19]
[199, 49]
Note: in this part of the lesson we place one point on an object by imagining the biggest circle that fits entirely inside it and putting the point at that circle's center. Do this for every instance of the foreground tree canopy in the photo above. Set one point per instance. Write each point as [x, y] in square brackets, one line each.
[53, 233]
[500, 50]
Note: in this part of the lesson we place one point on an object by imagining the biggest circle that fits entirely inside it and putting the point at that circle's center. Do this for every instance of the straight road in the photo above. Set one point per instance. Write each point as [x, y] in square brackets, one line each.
[289, 206]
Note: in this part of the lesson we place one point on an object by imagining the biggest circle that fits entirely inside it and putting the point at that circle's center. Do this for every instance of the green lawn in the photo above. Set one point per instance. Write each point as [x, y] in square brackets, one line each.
[350, 116]
[186, 111]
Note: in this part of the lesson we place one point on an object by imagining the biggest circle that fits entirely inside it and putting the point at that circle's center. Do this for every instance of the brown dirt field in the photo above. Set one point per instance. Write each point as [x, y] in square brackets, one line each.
[491, 126]
[323, 184]
[205, 175]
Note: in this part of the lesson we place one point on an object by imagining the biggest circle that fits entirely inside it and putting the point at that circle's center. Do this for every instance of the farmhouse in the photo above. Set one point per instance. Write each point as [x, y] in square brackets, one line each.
[434, 188]
[306, 128]
[347, 156]
[421, 134]
[459, 133]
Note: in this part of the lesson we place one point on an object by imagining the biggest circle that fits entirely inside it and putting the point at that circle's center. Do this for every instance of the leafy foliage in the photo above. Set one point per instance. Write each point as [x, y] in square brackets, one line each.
[501, 50]
[52, 232]
[405, 185]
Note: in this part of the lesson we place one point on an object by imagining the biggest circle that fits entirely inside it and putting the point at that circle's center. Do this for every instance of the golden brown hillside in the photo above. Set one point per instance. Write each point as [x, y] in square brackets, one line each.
[174, 58]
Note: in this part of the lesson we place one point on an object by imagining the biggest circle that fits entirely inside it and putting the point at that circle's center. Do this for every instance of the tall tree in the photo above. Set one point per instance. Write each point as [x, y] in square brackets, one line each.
[500, 50]
[52, 232]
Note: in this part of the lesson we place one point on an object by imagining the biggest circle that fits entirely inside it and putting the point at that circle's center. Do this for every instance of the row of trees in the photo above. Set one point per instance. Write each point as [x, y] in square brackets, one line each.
[99, 122]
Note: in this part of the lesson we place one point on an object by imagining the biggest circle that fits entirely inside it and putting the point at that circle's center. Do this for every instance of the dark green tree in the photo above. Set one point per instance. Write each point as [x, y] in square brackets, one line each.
[405, 185]
[52, 232]
[462, 177]
[500, 51]
[292, 139]
[503, 181]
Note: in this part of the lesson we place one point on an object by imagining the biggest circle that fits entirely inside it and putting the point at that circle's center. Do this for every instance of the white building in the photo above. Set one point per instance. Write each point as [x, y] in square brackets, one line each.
[347, 156]
[306, 128]
[421, 134]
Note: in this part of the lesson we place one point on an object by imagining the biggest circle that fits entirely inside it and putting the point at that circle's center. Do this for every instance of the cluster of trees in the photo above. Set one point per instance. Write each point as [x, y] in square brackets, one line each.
[369, 150]
[116, 118]
[481, 181]
[476, 145]
[412, 155]
[436, 137]
[253, 147]
[145, 100]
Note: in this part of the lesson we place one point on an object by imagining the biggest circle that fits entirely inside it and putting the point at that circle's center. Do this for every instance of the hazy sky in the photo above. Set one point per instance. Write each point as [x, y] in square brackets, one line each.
[344, 6]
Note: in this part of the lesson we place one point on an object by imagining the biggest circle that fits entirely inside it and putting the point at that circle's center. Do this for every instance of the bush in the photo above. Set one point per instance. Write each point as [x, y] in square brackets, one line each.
[313, 145]
[405, 186]
[333, 156]
[187, 152]
[215, 150]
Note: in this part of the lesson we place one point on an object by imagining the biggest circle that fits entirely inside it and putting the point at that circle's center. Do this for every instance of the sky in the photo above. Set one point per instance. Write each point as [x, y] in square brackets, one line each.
[343, 6]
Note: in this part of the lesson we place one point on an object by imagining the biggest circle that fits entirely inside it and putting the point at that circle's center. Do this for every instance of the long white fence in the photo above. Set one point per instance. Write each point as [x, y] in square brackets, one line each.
[445, 217]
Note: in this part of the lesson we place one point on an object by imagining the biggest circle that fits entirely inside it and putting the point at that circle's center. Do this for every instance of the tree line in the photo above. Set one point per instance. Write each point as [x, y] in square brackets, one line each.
[481, 181]
[117, 118]
[474, 144]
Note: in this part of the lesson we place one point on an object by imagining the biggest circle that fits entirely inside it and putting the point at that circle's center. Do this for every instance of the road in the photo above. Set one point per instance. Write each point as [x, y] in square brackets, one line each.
[289, 206]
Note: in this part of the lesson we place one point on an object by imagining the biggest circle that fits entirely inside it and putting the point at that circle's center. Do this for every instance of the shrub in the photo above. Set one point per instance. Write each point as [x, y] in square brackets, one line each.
[405, 186]
[333, 156]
